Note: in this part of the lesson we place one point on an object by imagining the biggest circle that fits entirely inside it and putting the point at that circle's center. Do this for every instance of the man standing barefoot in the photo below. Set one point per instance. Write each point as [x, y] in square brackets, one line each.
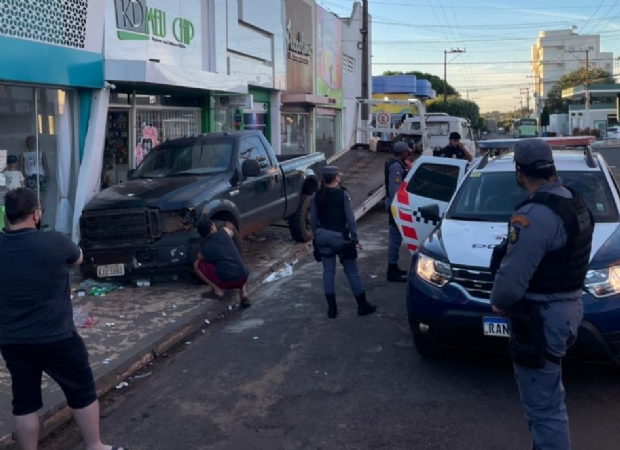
[37, 333]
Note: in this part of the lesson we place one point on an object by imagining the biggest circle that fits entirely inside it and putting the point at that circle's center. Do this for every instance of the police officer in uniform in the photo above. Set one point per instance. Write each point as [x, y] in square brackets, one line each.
[538, 286]
[395, 173]
[335, 235]
[454, 149]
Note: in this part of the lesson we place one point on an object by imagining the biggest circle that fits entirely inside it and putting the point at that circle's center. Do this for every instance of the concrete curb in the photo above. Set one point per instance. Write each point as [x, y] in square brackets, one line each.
[61, 414]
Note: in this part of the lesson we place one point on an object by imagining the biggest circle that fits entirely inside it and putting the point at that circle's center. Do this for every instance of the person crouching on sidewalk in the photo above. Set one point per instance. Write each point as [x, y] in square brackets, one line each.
[219, 263]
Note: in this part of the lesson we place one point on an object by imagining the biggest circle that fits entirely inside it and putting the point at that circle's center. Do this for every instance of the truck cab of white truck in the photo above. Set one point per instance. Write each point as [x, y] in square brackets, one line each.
[439, 126]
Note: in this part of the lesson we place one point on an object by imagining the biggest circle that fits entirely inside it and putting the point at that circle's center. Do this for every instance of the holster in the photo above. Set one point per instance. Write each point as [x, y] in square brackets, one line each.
[315, 251]
[528, 344]
[499, 252]
[349, 251]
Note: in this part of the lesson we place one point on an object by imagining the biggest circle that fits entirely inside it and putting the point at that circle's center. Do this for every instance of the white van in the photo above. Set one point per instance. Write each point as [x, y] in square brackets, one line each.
[439, 126]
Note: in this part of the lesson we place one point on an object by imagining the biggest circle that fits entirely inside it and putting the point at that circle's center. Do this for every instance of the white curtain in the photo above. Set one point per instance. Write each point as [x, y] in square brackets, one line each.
[62, 125]
[89, 178]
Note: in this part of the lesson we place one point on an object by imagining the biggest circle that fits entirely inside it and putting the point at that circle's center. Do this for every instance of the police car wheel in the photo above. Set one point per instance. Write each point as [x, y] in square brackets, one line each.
[425, 347]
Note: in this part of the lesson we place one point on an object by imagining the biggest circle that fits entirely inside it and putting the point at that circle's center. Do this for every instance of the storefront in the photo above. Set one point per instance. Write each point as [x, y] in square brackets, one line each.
[243, 112]
[47, 79]
[328, 82]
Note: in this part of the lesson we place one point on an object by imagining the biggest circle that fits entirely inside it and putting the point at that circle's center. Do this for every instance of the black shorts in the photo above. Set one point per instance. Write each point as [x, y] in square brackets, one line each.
[66, 362]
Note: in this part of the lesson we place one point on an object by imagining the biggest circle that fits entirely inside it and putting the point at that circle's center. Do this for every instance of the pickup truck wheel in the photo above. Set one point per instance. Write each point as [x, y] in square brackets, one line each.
[299, 223]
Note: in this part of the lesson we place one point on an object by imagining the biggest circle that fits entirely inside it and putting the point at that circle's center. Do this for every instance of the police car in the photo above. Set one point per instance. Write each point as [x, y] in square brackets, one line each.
[452, 214]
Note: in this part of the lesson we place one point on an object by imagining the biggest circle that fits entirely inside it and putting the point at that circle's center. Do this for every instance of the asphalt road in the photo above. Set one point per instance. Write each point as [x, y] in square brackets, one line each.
[284, 377]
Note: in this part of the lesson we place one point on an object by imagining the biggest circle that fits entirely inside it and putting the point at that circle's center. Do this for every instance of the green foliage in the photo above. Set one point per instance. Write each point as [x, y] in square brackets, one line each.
[455, 106]
[436, 82]
[575, 78]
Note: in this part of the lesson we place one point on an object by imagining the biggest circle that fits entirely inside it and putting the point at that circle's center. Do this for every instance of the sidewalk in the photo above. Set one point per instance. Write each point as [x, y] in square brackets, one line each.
[136, 324]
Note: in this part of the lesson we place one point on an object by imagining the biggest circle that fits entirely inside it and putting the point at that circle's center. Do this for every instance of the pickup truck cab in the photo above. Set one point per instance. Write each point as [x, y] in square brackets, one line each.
[148, 224]
[453, 213]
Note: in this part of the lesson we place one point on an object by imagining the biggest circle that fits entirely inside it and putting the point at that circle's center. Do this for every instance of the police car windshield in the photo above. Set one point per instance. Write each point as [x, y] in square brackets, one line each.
[493, 196]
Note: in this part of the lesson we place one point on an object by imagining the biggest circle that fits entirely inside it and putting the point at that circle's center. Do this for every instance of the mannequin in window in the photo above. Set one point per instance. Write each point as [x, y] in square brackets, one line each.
[14, 177]
[32, 168]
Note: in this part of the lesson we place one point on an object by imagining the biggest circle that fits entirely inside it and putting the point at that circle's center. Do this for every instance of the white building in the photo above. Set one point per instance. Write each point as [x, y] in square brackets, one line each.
[559, 52]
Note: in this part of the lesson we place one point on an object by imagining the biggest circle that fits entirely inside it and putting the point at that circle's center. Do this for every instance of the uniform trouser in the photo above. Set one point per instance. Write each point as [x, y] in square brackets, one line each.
[394, 243]
[350, 270]
[541, 390]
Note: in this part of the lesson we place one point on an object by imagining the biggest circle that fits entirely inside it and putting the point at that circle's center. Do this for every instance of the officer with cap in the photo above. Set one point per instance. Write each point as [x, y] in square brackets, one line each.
[335, 234]
[395, 173]
[541, 268]
[454, 149]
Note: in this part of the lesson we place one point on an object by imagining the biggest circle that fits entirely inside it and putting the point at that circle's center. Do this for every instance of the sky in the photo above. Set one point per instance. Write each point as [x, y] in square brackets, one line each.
[497, 37]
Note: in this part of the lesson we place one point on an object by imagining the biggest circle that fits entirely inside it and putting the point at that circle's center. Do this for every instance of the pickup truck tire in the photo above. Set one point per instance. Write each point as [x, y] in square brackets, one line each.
[299, 223]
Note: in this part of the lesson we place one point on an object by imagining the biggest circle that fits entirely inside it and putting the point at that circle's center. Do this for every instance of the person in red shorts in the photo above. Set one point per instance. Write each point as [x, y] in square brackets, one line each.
[219, 263]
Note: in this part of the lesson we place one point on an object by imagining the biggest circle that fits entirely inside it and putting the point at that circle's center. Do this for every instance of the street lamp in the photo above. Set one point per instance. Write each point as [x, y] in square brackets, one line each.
[445, 70]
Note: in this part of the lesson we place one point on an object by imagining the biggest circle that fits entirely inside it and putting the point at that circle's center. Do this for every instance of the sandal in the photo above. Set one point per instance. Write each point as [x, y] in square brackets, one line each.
[245, 302]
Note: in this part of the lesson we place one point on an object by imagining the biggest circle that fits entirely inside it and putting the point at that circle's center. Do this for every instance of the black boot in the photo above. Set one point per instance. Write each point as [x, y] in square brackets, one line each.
[395, 274]
[363, 307]
[332, 308]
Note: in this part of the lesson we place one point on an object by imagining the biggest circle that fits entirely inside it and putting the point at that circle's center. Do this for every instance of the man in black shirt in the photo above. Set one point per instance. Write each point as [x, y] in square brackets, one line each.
[37, 333]
[455, 149]
[219, 263]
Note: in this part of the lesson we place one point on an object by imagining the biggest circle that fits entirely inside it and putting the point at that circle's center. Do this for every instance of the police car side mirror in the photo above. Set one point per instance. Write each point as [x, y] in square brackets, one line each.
[430, 212]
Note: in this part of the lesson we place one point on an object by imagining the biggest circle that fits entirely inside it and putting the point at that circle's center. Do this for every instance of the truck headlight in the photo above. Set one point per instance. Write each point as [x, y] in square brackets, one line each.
[432, 271]
[603, 282]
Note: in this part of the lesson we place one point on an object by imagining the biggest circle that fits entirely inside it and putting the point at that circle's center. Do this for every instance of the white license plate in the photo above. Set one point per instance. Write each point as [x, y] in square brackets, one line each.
[495, 326]
[111, 270]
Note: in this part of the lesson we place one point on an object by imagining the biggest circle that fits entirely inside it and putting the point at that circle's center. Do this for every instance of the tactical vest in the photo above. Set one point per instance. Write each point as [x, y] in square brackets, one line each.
[331, 209]
[564, 269]
[386, 171]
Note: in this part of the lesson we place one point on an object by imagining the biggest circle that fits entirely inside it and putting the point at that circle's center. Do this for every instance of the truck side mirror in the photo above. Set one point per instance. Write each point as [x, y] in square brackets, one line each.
[430, 212]
[250, 168]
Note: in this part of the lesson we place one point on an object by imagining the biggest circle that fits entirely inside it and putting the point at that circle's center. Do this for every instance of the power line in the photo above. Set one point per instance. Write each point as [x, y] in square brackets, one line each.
[559, 61]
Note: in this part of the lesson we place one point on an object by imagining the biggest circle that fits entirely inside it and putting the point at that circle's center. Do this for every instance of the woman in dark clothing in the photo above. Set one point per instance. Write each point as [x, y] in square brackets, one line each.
[335, 234]
[219, 262]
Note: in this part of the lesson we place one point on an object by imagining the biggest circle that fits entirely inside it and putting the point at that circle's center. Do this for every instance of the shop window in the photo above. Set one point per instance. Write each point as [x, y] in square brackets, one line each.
[36, 129]
[294, 133]
[253, 148]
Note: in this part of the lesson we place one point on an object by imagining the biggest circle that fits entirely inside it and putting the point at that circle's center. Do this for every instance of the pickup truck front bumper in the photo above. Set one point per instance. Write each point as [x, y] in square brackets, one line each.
[173, 252]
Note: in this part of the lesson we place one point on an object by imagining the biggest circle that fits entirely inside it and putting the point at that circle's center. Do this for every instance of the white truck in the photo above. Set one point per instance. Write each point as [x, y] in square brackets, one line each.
[439, 126]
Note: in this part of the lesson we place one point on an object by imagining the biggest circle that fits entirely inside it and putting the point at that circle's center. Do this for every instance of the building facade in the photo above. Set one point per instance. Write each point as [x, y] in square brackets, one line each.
[52, 64]
[559, 52]
[324, 66]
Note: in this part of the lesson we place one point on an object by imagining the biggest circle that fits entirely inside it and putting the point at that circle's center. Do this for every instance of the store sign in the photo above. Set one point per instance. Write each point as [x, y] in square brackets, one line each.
[298, 49]
[235, 101]
[135, 20]
[161, 31]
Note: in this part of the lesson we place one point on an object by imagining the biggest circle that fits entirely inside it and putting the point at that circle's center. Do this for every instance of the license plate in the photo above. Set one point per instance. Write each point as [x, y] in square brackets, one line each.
[495, 326]
[111, 270]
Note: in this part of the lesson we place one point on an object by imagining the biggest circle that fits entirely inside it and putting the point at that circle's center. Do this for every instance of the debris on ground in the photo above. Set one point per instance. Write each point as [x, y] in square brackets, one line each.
[122, 385]
[82, 318]
[98, 288]
[143, 375]
[285, 271]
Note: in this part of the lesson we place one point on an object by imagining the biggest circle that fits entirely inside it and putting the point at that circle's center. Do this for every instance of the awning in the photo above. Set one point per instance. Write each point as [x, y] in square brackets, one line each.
[306, 99]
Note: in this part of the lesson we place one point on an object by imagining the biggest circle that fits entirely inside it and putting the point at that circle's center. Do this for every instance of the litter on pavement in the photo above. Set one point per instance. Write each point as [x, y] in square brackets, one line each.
[285, 271]
[82, 319]
[98, 288]
[122, 385]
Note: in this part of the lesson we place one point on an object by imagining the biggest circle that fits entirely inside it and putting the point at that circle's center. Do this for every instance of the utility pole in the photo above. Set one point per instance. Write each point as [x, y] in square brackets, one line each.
[445, 70]
[526, 92]
[585, 86]
[538, 92]
[365, 59]
[519, 100]
[467, 91]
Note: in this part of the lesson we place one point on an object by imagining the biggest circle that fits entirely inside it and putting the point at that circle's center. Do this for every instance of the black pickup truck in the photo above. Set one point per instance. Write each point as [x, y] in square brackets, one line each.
[148, 224]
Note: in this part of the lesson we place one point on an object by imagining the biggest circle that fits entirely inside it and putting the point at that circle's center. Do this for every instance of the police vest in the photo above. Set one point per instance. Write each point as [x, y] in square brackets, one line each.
[330, 208]
[386, 171]
[564, 270]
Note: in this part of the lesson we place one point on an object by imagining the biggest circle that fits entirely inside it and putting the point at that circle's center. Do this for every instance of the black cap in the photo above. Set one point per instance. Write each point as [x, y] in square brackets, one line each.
[455, 136]
[400, 147]
[331, 171]
[533, 156]
[12, 159]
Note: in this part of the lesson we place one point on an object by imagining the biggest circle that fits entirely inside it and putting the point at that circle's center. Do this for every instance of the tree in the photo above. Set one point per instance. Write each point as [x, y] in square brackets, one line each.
[457, 107]
[554, 101]
[436, 82]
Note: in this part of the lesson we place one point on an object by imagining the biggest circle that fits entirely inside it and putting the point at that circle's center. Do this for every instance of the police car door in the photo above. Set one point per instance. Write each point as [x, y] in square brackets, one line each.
[431, 180]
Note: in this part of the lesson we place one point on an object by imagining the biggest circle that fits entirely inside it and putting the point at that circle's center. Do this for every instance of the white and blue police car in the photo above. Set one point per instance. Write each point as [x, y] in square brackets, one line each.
[452, 214]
